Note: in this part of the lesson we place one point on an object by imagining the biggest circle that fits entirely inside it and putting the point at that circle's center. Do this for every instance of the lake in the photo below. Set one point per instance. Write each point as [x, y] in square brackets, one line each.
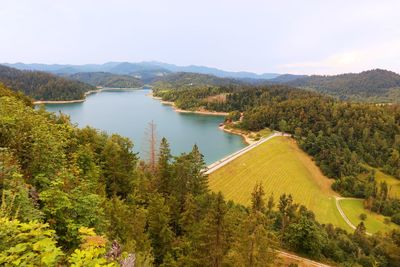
[128, 113]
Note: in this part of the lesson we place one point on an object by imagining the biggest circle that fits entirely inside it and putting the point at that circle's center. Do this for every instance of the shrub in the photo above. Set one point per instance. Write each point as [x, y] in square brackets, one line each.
[396, 218]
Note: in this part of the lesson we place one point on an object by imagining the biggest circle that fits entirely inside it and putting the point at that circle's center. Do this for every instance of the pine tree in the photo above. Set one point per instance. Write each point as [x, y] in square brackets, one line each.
[164, 168]
[270, 203]
[189, 176]
[188, 216]
[257, 198]
[253, 243]
[198, 180]
[119, 164]
[151, 149]
[213, 243]
[131, 235]
[159, 230]
[287, 210]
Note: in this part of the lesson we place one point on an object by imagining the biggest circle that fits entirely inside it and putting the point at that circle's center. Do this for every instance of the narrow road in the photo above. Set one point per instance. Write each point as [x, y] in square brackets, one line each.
[337, 199]
[301, 259]
[216, 165]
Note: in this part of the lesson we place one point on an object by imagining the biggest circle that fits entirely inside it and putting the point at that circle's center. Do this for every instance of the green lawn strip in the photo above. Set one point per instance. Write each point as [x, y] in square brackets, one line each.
[374, 222]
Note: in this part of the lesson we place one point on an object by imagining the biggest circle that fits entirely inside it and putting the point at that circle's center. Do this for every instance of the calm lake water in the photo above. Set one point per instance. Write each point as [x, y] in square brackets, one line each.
[129, 112]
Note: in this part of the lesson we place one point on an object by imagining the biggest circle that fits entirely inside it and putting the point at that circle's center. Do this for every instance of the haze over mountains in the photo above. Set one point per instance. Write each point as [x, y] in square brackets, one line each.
[369, 86]
[142, 70]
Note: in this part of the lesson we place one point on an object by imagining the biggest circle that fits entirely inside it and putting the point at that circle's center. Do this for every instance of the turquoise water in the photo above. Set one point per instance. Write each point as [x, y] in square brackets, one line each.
[129, 112]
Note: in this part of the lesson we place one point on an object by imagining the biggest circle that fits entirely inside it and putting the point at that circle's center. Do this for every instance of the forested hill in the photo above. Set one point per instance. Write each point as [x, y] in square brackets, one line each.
[368, 86]
[42, 85]
[182, 80]
[106, 79]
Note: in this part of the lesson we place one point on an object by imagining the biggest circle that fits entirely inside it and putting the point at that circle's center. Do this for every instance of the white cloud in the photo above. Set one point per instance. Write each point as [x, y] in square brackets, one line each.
[384, 55]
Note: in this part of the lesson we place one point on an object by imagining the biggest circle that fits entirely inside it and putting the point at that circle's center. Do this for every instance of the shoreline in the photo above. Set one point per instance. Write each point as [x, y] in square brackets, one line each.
[58, 101]
[40, 102]
[200, 112]
[247, 139]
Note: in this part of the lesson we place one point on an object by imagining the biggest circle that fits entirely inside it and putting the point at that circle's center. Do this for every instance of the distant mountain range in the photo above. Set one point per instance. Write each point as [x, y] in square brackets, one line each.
[145, 71]
[371, 86]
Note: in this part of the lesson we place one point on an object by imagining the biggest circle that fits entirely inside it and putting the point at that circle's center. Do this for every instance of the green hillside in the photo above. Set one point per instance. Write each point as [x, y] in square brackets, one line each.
[105, 79]
[42, 85]
[368, 86]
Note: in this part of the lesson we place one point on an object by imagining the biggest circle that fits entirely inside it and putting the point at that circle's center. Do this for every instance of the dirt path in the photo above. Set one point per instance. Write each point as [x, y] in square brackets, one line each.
[337, 199]
[305, 261]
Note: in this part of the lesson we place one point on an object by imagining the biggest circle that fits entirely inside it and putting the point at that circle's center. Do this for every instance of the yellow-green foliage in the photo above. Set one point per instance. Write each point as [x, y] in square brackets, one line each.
[374, 222]
[281, 167]
[4, 91]
[27, 244]
[92, 251]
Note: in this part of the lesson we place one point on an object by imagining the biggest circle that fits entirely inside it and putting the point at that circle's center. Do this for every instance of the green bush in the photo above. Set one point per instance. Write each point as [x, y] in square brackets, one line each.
[396, 218]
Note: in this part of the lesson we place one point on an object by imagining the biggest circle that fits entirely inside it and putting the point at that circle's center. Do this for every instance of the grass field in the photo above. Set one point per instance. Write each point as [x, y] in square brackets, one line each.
[374, 222]
[281, 167]
[393, 183]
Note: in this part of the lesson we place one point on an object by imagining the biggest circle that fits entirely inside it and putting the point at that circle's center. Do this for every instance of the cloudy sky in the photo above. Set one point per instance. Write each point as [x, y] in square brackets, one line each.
[299, 36]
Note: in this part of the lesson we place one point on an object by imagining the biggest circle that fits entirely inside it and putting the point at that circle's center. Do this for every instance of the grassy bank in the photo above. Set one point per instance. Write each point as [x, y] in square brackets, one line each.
[248, 136]
[393, 183]
[374, 222]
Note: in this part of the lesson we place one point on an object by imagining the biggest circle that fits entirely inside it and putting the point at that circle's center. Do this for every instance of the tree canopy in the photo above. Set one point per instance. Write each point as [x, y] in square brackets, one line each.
[43, 86]
[80, 197]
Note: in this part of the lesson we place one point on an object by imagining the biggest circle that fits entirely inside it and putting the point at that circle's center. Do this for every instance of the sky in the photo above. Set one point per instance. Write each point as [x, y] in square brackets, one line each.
[298, 36]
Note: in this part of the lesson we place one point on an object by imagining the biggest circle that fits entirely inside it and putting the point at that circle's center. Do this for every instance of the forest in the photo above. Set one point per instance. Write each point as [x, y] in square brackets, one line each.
[181, 80]
[81, 197]
[105, 79]
[341, 136]
[43, 86]
[369, 86]
[373, 86]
